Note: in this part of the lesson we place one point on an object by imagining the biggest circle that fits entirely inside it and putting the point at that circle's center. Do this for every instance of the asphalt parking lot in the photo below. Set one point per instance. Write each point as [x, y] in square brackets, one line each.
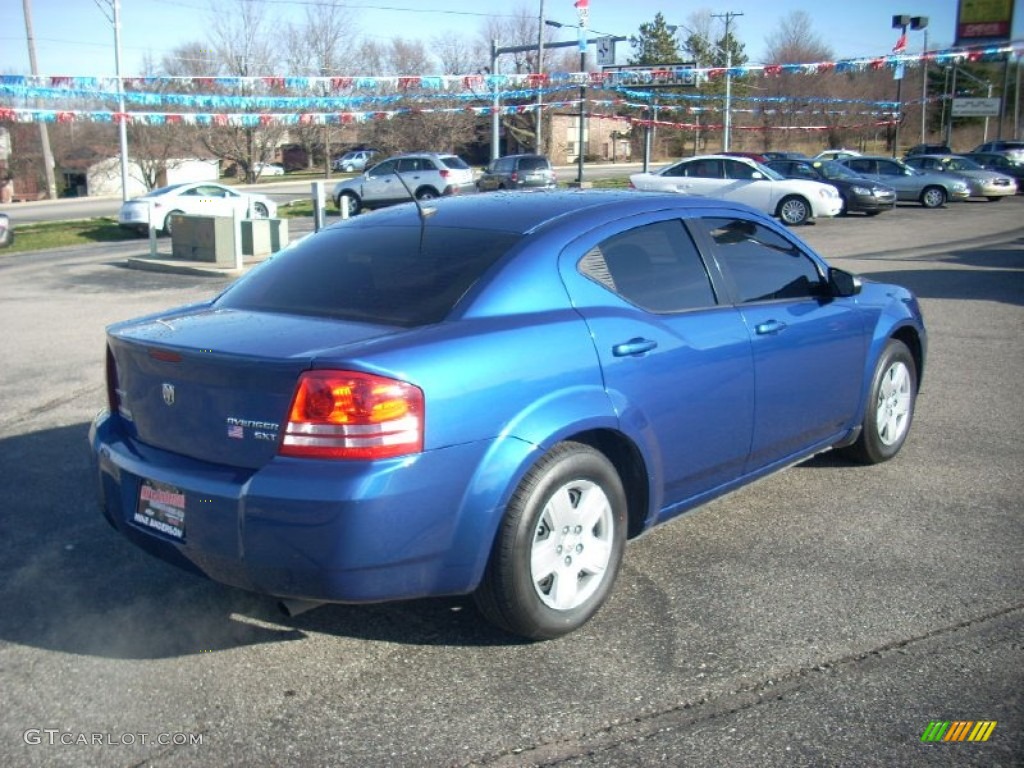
[824, 616]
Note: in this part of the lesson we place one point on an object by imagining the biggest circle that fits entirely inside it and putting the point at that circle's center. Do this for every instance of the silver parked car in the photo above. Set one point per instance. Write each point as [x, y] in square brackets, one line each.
[420, 175]
[356, 160]
[989, 184]
[932, 190]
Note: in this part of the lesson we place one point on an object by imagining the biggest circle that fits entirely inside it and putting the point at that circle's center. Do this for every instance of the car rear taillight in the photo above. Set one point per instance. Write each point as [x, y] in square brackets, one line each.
[514, 177]
[114, 393]
[353, 415]
[445, 173]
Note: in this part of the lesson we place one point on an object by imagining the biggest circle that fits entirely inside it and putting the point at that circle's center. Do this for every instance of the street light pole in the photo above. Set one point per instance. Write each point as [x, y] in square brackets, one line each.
[121, 122]
[727, 132]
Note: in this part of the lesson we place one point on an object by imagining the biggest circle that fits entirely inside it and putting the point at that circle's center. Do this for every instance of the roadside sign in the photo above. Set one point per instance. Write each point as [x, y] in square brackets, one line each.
[976, 107]
[683, 73]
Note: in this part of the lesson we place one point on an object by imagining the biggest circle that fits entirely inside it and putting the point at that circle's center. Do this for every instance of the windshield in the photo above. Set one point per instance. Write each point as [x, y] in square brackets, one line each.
[388, 275]
[768, 172]
[962, 164]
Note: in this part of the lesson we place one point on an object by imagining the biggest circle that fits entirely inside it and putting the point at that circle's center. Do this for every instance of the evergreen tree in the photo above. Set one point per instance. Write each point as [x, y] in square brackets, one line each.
[656, 44]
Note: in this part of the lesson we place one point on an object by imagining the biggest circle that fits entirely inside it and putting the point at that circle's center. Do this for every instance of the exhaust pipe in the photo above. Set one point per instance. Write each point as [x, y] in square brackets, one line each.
[292, 607]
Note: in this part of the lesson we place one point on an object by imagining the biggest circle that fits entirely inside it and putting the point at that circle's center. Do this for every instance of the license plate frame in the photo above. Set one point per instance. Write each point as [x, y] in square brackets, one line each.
[161, 509]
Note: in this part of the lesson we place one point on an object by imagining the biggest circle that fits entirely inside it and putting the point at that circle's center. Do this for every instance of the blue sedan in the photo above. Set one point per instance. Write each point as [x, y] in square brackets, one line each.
[490, 396]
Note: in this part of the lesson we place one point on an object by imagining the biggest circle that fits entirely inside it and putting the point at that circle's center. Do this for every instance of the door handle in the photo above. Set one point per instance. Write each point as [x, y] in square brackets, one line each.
[634, 347]
[770, 328]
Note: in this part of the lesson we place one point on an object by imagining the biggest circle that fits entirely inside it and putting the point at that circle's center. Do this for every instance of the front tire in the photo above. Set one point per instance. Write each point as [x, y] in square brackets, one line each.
[260, 211]
[559, 546]
[890, 406]
[794, 211]
[933, 197]
[354, 204]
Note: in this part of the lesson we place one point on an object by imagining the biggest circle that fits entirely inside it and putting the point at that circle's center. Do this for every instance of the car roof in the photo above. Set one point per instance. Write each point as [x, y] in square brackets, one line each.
[525, 212]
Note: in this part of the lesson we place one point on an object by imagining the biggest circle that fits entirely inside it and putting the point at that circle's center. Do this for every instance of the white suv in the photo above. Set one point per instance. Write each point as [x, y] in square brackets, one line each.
[426, 175]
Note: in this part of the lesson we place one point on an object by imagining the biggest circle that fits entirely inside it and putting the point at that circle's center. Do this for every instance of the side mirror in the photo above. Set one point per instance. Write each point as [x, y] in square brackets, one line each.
[842, 283]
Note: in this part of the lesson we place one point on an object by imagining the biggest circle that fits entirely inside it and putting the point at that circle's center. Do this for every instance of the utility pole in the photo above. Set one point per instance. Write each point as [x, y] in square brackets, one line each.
[122, 126]
[728, 16]
[44, 134]
[540, 84]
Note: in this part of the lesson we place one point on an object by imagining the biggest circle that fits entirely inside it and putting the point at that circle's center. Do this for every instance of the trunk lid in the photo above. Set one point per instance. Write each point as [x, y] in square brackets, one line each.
[216, 385]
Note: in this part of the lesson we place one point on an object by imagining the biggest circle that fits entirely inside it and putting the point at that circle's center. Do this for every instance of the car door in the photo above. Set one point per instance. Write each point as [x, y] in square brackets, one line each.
[677, 364]
[381, 184]
[808, 347]
[208, 200]
[742, 186]
[704, 177]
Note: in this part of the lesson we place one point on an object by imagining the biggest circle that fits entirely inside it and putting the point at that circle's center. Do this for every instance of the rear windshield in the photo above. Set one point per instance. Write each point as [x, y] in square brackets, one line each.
[384, 275]
[533, 164]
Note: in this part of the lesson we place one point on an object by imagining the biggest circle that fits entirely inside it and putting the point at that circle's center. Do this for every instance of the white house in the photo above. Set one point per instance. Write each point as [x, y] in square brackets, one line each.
[103, 178]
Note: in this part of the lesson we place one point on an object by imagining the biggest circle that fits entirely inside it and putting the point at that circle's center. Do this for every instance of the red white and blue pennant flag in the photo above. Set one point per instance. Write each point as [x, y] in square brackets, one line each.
[583, 11]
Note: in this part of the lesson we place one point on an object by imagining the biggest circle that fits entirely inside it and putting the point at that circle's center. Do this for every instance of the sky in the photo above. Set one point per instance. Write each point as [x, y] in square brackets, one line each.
[76, 37]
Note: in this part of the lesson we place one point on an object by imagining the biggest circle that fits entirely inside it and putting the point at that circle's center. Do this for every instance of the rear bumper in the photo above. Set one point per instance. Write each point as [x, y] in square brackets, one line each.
[325, 531]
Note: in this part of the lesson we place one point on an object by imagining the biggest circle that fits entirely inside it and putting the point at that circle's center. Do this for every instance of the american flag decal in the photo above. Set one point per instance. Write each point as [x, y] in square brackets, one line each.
[235, 431]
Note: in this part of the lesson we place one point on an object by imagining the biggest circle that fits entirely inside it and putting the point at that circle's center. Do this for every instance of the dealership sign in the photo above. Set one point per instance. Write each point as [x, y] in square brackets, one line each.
[976, 107]
[984, 21]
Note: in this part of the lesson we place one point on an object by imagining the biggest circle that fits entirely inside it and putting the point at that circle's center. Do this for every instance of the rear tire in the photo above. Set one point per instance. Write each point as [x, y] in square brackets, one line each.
[890, 407]
[427, 193]
[168, 228]
[559, 546]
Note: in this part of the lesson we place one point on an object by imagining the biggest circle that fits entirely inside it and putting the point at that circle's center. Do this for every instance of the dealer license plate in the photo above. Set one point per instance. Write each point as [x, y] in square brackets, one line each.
[161, 508]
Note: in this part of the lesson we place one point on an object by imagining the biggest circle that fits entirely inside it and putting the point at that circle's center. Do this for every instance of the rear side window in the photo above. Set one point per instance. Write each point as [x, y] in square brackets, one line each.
[760, 264]
[383, 275]
[455, 163]
[655, 267]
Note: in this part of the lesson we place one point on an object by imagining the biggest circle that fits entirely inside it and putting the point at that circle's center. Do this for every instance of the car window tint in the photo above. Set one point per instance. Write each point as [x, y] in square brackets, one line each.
[454, 162]
[704, 169]
[888, 168]
[861, 166]
[396, 277]
[735, 170]
[761, 264]
[803, 171]
[383, 169]
[533, 164]
[656, 267]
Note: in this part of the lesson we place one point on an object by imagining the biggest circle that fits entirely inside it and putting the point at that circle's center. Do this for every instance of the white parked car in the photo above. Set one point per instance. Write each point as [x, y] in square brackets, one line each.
[201, 198]
[267, 169]
[836, 154]
[740, 179]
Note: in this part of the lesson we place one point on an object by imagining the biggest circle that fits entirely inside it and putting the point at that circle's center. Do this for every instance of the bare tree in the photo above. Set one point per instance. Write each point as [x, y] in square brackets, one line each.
[243, 45]
[320, 47]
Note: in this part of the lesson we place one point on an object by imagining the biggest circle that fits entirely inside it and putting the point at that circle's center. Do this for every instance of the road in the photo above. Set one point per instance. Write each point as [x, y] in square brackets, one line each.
[823, 616]
[280, 191]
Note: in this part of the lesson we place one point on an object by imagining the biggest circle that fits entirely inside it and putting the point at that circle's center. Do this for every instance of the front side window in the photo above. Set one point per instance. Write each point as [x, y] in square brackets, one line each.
[387, 168]
[655, 267]
[760, 264]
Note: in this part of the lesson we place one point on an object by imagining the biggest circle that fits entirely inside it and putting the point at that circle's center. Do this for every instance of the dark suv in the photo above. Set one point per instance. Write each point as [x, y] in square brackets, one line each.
[518, 172]
[1012, 149]
[928, 149]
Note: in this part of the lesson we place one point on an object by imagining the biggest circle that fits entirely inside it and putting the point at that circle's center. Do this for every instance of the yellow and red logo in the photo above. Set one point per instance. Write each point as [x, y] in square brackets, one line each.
[958, 730]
